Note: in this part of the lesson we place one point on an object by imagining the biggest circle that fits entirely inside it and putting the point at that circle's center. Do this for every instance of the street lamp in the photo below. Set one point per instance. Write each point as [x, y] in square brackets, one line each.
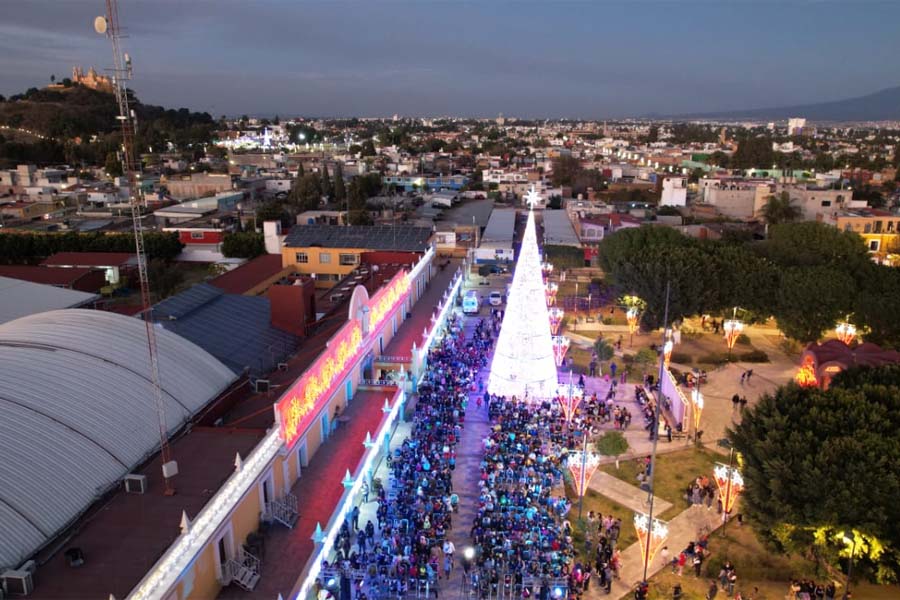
[569, 396]
[550, 292]
[560, 347]
[696, 410]
[667, 348]
[729, 481]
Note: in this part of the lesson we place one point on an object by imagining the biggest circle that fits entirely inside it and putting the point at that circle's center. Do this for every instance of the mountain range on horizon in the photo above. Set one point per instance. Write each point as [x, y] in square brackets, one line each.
[883, 105]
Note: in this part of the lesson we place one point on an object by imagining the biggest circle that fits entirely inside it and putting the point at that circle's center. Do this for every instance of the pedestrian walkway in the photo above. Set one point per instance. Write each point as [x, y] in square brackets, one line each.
[683, 529]
[627, 495]
[466, 477]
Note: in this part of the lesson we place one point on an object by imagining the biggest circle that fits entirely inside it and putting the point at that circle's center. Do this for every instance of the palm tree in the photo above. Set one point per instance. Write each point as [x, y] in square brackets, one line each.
[780, 209]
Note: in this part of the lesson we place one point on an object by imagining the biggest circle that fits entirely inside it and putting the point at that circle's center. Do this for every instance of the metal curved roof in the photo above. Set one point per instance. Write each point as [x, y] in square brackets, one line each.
[78, 412]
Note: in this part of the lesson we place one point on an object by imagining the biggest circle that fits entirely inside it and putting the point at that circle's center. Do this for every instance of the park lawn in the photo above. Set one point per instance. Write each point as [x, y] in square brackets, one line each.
[603, 506]
[756, 567]
[674, 471]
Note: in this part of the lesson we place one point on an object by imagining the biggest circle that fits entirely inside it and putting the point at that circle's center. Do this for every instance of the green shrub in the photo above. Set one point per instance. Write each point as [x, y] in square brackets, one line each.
[628, 359]
[607, 320]
[743, 339]
[716, 358]
[682, 358]
[755, 356]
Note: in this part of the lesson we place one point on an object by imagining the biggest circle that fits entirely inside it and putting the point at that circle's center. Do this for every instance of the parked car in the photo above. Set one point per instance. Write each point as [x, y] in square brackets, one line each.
[496, 298]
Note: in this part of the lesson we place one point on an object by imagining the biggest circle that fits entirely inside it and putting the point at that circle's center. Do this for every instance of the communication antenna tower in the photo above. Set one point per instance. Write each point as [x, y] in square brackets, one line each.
[121, 73]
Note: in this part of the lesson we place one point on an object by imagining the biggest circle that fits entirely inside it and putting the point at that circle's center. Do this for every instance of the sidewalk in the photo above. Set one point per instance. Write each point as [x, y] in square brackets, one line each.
[629, 496]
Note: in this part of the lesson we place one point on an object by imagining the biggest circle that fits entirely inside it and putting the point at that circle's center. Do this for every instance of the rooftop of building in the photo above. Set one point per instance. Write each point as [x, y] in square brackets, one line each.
[19, 298]
[90, 259]
[234, 328]
[45, 275]
[249, 275]
[408, 239]
[78, 414]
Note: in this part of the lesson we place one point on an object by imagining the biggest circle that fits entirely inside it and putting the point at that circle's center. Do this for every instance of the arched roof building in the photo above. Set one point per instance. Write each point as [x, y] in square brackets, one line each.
[78, 412]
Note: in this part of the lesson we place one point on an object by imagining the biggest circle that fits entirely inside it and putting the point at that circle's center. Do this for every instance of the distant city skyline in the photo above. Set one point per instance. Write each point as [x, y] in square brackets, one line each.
[522, 59]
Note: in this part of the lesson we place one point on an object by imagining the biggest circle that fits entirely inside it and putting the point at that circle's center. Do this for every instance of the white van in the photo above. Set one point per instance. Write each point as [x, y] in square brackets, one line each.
[471, 303]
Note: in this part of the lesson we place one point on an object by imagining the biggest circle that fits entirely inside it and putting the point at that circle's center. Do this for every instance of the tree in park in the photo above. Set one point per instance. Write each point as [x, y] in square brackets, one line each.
[810, 300]
[611, 443]
[877, 305]
[817, 463]
[811, 243]
[340, 192]
[603, 349]
[780, 209]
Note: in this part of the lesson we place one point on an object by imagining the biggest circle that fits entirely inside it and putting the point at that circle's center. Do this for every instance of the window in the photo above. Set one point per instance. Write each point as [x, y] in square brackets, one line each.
[196, 235]
[878, 226]
[302, 257]
[890, 226]
[867, 228]
[873, 245]
[348, 259]
[324, 257]
[826, 202]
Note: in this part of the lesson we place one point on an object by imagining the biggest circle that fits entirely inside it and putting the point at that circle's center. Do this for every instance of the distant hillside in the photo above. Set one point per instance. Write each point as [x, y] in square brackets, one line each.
[883, 105]
[78, 111]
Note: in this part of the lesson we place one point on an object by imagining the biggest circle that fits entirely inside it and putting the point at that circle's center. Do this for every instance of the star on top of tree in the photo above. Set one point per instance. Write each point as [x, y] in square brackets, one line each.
[532, 198]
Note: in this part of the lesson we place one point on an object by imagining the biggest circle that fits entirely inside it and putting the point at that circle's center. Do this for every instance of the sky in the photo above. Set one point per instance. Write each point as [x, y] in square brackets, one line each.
[590, 59]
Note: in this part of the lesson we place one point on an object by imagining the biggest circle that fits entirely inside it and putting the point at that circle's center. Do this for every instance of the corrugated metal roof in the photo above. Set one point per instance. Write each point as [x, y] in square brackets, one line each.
[379, 237]
[19, 298]
[558, 229]
[501, 229]
[235, 329]
[78, 412]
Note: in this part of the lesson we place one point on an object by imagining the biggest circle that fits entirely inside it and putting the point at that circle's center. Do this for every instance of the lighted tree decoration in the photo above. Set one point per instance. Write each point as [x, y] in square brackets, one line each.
[650, 537]
[560, 347]
[730, 483]
[845, 332]
[550, 292]
[524, 356]
[556, 317]
[582, 466]
[806, 375]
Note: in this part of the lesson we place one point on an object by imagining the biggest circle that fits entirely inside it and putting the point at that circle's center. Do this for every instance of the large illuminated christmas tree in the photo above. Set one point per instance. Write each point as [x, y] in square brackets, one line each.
[523, 361]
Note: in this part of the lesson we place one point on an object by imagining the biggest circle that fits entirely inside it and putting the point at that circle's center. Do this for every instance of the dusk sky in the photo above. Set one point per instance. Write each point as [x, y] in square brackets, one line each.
[548, 59]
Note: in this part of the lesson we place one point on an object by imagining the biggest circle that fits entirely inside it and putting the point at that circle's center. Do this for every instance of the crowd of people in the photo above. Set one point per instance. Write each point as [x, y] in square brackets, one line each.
[408, 549]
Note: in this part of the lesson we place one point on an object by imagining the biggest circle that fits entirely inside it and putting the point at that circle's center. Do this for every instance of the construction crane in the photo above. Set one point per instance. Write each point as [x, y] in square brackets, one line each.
[121, 73]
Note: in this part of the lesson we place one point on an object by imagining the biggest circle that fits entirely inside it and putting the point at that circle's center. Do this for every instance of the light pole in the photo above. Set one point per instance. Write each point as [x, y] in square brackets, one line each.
[732, 480]
[733, 328]
[655, 433]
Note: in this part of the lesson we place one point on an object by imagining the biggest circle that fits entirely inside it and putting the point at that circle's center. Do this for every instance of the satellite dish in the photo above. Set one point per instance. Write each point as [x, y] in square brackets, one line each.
[100, 25]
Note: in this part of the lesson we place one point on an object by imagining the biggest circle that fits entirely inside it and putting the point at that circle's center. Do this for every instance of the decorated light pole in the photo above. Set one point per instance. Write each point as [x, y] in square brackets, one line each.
[582, 465]
[550, 292]
[696, 410]
[667, 348]
[556, 317]
[652, 534]
[845, 331]
[560, 347]
[733, 328]
[569, 397]
[631, 315]
[546, 270]
[729, 481]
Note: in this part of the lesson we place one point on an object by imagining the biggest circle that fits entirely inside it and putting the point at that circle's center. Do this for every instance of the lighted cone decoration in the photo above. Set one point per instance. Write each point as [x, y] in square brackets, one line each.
[582, 466]
[728, 490]
[657, 534]
[560, 347]
[550, 291]
[733, 329]
[556, 317]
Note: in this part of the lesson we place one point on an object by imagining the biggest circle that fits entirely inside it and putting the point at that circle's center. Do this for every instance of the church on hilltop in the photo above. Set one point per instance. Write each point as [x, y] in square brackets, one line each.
[92, 79]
